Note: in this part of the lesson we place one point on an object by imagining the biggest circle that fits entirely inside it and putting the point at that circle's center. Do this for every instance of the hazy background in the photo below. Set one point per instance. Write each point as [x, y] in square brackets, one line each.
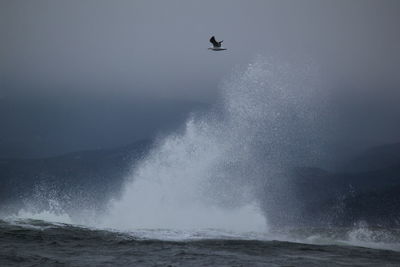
[88, 74]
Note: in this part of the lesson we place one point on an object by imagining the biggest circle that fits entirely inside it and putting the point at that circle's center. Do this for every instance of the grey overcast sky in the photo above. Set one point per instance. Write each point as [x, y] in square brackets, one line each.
[161, 46]
[59, 51]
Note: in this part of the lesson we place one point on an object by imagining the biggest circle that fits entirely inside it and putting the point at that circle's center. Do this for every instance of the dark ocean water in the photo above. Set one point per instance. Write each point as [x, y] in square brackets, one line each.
[39, 243]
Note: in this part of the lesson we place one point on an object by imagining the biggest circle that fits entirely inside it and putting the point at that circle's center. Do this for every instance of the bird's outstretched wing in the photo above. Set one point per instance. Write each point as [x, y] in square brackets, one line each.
[214, 42]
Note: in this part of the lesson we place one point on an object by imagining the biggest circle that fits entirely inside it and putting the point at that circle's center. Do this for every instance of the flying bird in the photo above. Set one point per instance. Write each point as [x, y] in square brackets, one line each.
[216, 45]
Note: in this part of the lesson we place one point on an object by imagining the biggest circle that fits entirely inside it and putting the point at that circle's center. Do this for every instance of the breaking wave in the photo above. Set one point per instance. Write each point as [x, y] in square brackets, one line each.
[211, 178]
[210, 174]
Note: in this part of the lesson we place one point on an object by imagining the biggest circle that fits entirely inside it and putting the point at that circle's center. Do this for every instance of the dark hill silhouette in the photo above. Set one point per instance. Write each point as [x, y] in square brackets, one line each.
[369, 192]
[377, 158]
[87, 178]
[302, 196]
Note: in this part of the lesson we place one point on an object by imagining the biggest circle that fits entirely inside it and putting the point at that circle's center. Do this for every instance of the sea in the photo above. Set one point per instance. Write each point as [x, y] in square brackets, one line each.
[31, 242]
[198, 197]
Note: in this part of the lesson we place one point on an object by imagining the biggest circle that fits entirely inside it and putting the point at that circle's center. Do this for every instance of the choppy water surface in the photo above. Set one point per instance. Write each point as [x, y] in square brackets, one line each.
[35, 242]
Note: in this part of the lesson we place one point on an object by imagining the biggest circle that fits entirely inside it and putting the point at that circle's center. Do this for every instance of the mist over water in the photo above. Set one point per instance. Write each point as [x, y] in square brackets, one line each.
[210, 174]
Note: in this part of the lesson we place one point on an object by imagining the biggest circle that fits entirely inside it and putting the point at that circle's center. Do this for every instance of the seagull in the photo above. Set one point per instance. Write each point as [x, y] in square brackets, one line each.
[216, 45]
